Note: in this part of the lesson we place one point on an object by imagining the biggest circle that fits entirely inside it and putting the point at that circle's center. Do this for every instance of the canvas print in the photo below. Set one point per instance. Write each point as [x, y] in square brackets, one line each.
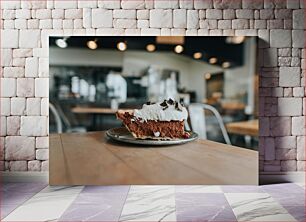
[153, 110]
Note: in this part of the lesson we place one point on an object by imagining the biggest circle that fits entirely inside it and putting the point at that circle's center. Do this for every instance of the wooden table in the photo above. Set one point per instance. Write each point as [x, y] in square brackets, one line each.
[92, 159]
[93, 110]
[235, 106]
[97, 114]
[250, 127]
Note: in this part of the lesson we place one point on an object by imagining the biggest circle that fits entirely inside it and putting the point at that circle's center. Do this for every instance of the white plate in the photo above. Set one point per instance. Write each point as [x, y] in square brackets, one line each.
[121, 134]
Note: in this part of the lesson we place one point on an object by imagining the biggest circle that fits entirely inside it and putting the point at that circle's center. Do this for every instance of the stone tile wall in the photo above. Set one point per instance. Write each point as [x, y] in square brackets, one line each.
[26, 25]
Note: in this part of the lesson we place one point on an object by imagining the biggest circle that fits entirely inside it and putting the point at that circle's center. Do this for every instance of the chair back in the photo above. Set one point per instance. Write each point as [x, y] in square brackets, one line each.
[58, 121]
[198, 122]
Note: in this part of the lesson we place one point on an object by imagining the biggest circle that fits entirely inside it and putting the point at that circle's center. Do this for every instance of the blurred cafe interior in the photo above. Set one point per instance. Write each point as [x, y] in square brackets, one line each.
[215, 77]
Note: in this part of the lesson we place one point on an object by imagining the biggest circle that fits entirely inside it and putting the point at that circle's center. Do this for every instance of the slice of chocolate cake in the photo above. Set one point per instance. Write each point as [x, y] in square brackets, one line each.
[163, 120]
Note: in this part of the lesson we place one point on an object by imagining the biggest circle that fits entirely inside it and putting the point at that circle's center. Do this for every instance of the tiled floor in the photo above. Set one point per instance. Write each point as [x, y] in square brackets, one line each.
[39, 202]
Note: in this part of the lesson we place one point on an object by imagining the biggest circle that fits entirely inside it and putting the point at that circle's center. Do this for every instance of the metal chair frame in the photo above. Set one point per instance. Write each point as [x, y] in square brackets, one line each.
[193, 108]
[58, 121]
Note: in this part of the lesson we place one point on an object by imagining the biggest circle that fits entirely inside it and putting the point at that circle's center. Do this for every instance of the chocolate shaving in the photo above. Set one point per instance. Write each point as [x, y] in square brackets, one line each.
[170, 101]
[164, 103]
[178, 106]
[166, 107]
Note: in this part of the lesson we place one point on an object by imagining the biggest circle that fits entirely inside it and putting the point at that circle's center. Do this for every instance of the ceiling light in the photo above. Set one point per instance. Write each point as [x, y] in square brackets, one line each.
[121, 46]
[207, 75]
[92, 44]
[226, 65]
[235, 39]
[213, 60]
[179, 49]
[62, 43]
[197, 55]
[151, 48]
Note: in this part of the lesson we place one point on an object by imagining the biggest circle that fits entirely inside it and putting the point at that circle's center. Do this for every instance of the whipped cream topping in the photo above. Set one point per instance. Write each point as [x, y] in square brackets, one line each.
[167, 110]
